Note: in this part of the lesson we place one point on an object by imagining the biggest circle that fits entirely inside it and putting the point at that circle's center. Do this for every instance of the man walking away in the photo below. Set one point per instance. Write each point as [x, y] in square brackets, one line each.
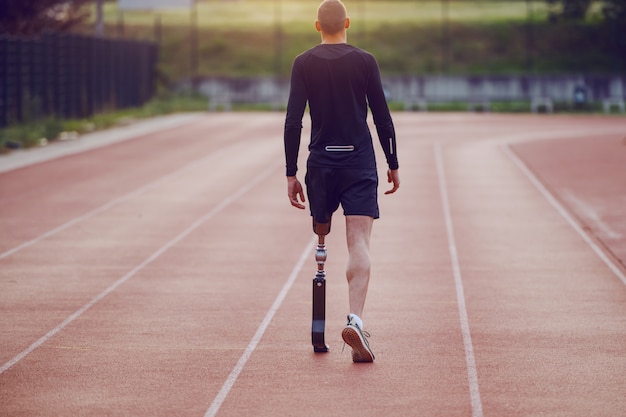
[339, 82]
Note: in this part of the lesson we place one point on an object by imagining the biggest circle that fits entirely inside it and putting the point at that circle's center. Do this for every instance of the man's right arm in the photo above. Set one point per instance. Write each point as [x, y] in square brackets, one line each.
[295, 192]
[293, 120]
[293, 130]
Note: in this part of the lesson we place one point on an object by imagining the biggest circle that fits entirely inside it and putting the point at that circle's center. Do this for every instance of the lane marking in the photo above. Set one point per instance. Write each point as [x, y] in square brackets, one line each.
[93, 212]
[234, 374]
[562, 211]
[472, 374]
[221, 206]
[111, 203]
[590, 214]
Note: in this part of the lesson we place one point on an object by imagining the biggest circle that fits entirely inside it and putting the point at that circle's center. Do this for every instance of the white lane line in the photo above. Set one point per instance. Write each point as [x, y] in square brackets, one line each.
[108, 205]
[563, 212]
[225, 203]
[472, 374]
[91, 213]
[234, 374]
[589, 213]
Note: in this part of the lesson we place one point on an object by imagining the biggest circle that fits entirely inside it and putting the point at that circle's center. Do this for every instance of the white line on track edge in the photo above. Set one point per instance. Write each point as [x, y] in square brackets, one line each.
[562, 211]
[472, 374]
[106, 206]
[234, 374]
[225, 203]
[88, 215]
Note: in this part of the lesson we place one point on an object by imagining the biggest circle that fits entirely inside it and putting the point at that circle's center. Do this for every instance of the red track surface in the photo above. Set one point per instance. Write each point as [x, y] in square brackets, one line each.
[167, 275]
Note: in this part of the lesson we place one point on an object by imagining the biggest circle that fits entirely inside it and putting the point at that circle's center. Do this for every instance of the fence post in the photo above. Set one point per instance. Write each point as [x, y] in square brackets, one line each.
[29, 104]
[3, 81]
[73, 76]
[36, 73]
[17, 77]
[96, 71]
[82, 82]
[88, 81]
[46, 78]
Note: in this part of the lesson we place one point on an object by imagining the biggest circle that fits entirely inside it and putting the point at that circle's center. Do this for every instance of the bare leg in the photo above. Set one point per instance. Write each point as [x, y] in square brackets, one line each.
[358, 231]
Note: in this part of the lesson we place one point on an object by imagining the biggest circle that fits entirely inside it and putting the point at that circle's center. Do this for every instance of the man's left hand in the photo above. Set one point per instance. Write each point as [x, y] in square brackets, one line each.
[393, 177]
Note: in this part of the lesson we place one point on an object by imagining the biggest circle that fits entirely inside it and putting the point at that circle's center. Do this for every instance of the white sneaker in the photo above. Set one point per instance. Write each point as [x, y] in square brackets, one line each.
[356, 338]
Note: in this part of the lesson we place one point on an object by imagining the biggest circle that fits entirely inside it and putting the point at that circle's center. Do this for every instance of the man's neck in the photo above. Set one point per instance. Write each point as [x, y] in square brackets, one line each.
[334, 39]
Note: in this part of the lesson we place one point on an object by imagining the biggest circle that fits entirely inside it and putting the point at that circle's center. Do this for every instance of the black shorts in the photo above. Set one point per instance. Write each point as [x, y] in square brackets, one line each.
[355, 189]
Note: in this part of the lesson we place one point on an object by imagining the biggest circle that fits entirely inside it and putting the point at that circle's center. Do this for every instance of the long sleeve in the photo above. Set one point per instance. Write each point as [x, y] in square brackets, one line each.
[293, 120]
[338, 81]
[382, 118]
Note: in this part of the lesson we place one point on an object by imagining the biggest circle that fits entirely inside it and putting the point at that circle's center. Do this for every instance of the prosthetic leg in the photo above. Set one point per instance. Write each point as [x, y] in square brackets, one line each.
[319, 289]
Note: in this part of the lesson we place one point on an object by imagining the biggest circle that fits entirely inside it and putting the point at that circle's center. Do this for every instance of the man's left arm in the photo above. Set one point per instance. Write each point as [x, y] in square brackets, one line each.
[384, 125]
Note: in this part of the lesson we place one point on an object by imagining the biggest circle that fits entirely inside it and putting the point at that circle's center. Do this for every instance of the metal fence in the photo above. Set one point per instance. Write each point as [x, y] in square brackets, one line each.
[421, 92]
[72, 76]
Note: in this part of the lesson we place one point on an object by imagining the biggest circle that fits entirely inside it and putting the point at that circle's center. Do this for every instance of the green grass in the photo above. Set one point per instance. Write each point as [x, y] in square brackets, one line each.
[299, 15]
[38, 132]
[244, 38]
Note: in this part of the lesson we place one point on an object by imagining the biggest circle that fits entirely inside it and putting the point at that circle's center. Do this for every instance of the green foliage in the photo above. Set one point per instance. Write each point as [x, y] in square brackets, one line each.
[405, 49]
[51, 128]
[39, 132]
[21, 136]
[242, 39]
[569, 9]
[30, 134]
[31, 17]
[614, 11]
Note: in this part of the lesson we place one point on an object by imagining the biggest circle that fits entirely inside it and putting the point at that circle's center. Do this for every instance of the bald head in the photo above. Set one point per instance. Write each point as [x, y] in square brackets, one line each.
[331, 16]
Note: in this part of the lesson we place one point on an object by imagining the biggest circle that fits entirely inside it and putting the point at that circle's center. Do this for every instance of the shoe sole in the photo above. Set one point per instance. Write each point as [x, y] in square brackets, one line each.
[360, 352]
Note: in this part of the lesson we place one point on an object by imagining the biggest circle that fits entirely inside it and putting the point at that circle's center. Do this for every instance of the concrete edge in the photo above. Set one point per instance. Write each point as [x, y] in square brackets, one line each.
[24, 157]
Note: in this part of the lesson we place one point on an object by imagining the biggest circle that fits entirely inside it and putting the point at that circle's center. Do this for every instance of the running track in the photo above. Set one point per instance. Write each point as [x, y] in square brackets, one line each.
[167, 275]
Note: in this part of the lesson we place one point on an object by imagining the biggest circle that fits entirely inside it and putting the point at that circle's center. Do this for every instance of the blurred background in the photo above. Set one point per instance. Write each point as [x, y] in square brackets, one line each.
[76, 61]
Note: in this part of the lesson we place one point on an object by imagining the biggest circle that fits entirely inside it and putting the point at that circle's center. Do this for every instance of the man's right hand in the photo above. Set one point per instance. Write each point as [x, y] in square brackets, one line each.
[294, 190]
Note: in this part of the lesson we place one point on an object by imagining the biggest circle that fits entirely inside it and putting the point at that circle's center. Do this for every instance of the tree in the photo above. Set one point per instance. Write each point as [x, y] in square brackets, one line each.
[615, 24]
[614, 10]
[31, 17]
[569, 9]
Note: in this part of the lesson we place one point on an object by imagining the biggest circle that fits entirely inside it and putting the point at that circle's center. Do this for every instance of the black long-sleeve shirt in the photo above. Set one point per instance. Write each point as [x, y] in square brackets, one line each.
[338, 81]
